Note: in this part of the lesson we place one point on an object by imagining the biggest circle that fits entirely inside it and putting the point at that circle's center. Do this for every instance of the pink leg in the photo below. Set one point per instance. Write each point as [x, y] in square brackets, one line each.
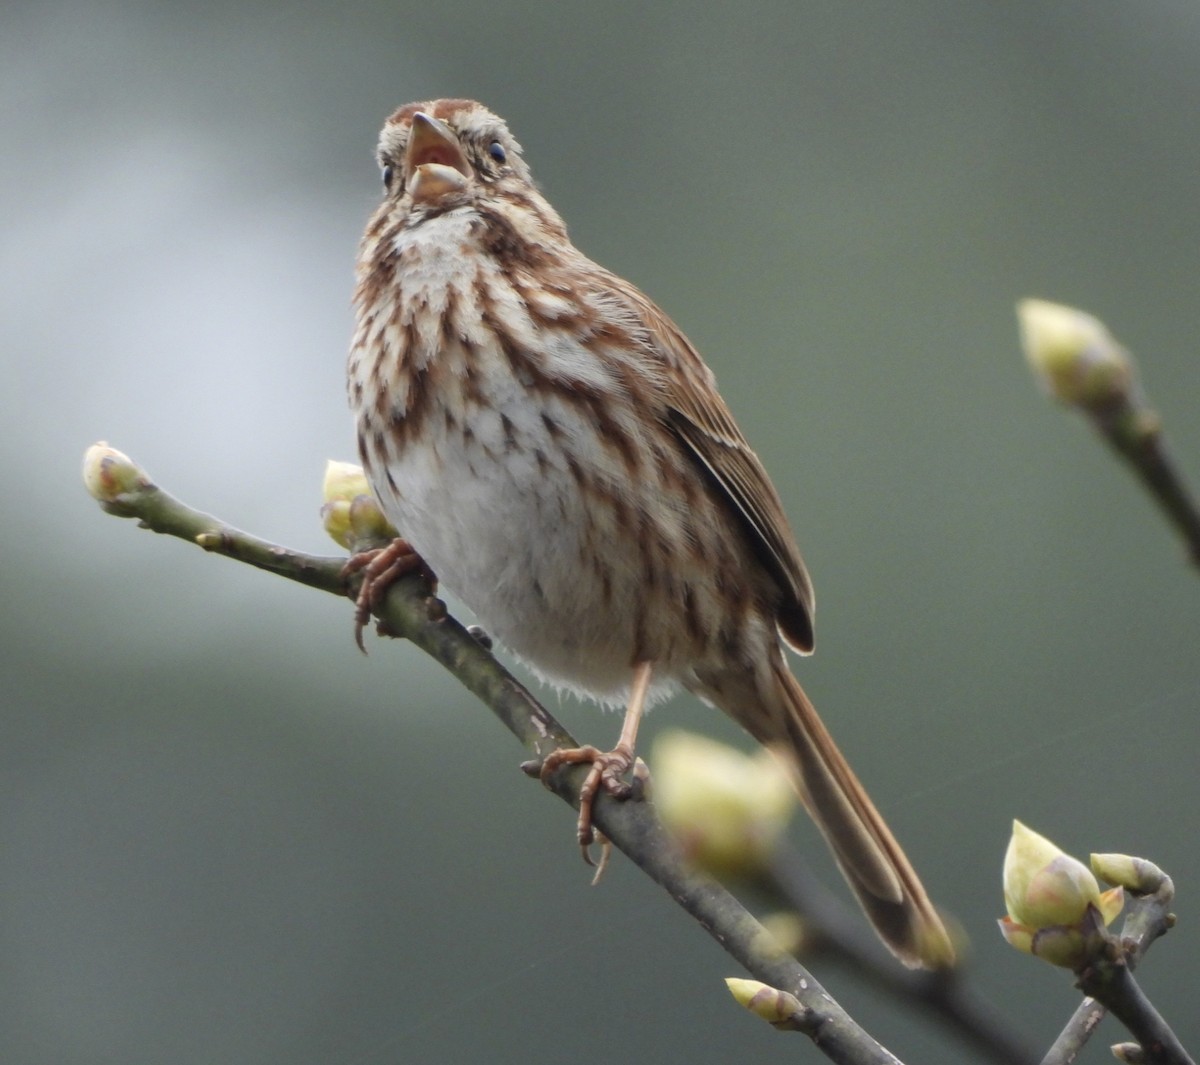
[608, 768]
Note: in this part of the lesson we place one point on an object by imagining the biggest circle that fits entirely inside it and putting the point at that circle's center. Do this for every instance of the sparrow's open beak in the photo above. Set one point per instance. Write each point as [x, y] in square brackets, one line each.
[435, 162]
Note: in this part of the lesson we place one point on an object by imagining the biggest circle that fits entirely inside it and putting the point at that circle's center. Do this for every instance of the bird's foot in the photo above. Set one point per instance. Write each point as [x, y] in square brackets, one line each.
[381, 567]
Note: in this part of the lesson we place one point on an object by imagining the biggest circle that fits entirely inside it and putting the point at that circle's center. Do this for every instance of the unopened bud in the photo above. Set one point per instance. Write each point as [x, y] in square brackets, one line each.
[1138, 875]
[109, 474]
[727, 809]
[777, 1008]
[1074, 355]
[1055, 906]
[350, 514]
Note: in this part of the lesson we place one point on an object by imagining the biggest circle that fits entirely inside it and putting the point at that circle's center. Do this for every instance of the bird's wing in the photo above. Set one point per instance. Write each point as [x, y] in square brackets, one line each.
[703, 423]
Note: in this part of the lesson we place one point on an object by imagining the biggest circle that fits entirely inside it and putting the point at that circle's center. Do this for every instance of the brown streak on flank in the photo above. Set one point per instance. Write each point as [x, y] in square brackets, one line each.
[379, 442]
[576, 471]
[422, 402]
[380, 389]
[472, 389]
[449, 316]
[510, 432]
[622, 509]
[691, 615]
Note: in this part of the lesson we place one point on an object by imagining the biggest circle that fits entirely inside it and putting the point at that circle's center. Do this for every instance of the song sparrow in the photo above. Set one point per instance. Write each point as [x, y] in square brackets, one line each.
[553, 447]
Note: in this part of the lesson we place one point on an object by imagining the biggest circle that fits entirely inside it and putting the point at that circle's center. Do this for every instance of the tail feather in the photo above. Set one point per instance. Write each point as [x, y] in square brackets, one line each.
[869, 856]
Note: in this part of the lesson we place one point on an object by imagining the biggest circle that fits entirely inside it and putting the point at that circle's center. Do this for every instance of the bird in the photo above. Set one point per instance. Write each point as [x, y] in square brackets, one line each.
[549, 443]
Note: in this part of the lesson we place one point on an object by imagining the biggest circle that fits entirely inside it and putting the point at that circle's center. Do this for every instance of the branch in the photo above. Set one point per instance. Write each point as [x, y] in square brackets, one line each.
[125, 490]
[1109, 984]
[945, 994]
[1081, 365]
[1135, 433]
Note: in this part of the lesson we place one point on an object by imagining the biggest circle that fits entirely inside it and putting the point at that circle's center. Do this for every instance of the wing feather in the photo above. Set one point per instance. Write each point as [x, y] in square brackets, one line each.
[702, 421]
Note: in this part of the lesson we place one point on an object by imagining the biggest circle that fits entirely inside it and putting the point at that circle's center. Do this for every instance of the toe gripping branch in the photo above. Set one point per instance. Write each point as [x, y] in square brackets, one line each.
[381, 567]
[607, 770]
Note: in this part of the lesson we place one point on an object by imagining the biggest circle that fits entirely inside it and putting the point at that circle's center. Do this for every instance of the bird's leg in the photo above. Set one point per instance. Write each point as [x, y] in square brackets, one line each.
[608, 768]
[381, 567]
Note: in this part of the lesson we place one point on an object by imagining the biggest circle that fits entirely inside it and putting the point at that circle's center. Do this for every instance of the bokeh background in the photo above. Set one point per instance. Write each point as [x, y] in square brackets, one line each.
[225, 836]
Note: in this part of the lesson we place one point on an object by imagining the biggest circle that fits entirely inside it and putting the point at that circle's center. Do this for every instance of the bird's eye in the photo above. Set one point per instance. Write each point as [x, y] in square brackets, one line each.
[389, 172]
[497, 152]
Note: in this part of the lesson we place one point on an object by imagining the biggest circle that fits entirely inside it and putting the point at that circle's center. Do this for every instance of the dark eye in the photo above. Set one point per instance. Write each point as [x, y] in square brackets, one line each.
[497, 152]
[388, 173]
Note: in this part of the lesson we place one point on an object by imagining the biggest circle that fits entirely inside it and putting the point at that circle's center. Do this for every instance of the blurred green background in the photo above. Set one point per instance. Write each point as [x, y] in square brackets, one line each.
[227, 837]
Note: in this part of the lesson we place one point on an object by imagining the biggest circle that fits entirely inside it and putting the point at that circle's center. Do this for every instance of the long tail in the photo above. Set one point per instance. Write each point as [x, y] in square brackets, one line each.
[867, 852]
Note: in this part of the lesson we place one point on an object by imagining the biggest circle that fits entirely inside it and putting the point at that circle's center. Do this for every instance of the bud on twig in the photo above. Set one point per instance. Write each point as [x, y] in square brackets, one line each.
[1137, 875]
[1074, 355]
[350, 514]
[727, 809]
[109, 474]
[1055, 907]
[1079, 363]
[777, 1008]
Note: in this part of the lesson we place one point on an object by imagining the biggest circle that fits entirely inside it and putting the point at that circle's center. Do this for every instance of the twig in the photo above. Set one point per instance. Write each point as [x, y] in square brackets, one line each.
[1110, 984]
[836, 931]
[1074, 1036]
[1079, 363]
[1134, 432]
[409, 610]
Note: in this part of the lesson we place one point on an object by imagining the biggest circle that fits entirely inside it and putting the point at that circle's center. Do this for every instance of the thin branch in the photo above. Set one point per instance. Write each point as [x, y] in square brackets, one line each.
[1111, 985]
[1079, 362]
[1074, 1036]
[944, 994]
[410, 611]
[1134, 432]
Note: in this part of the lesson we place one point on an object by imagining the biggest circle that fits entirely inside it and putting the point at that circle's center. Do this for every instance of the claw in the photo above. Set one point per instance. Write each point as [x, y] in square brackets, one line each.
[606, 770]
[381, 568]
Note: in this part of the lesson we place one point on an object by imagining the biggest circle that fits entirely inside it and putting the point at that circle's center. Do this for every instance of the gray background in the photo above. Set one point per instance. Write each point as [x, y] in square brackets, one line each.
[227, 837]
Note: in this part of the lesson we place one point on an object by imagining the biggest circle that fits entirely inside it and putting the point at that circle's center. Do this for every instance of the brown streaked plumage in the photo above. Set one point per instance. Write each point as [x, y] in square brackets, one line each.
[554, 448]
